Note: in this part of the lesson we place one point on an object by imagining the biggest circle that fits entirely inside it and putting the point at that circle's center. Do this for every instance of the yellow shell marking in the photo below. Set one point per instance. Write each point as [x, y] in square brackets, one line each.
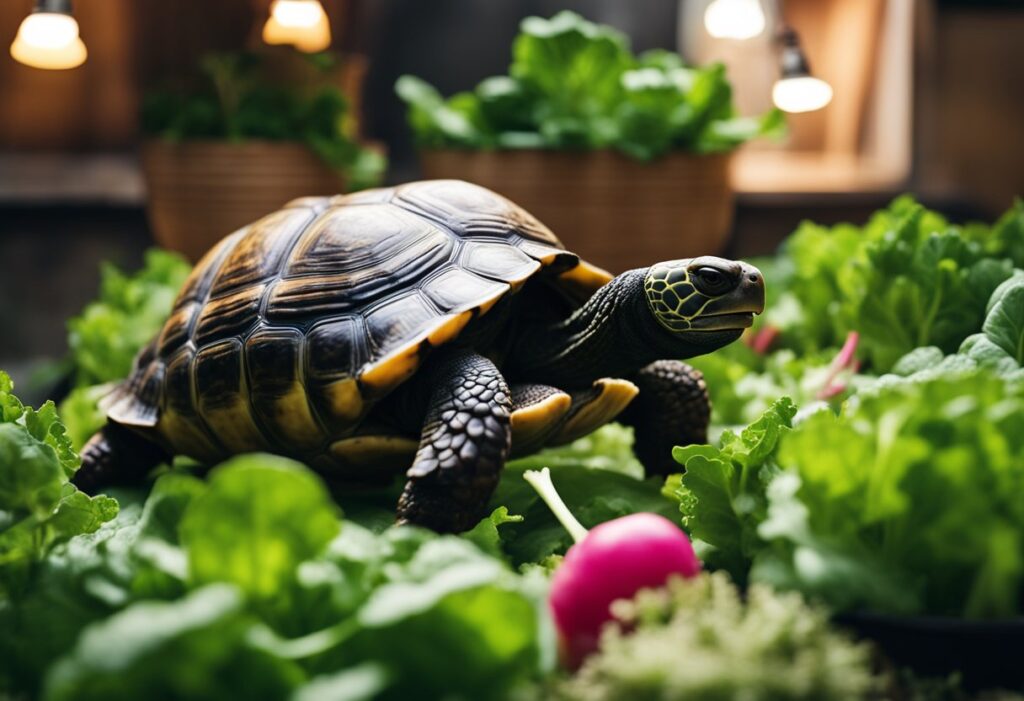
[393, 370]
[234, 427]
[346, 400]
[385, 452]
[450, 328]
[187, 438]
[581, 282]
[294, 419]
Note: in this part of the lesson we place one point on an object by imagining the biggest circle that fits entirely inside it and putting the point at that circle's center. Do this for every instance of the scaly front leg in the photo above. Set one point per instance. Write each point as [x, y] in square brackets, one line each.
[672, 409]
[463, 446]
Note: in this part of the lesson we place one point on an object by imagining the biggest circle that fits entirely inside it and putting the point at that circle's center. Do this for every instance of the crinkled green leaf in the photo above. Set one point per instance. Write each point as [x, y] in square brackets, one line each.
[722, 491]
[485, 534]
[907, 502]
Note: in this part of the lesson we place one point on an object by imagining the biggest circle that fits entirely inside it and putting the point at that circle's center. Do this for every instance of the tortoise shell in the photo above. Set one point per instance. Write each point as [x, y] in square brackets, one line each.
[289, 330]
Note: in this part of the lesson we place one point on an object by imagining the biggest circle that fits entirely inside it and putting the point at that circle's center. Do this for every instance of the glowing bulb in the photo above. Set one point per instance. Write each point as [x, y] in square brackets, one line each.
[49, 40]
[299, 22]
[297, 13]
[801, 94]
[734, 19]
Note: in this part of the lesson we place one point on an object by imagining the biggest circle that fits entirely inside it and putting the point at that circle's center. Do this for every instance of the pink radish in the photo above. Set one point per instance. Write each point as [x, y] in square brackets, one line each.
[839, 371]
[612, 561]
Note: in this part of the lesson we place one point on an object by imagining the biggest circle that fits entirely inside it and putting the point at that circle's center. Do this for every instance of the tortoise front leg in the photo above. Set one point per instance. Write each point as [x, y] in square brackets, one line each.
[672, 409]
[463, 446]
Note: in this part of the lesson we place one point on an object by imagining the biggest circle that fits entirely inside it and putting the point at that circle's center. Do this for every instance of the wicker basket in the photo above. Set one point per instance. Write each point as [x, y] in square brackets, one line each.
[200, 191]
[614, 211]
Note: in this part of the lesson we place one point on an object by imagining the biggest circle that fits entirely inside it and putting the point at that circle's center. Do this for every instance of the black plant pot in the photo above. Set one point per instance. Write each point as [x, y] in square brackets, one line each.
[988, 654]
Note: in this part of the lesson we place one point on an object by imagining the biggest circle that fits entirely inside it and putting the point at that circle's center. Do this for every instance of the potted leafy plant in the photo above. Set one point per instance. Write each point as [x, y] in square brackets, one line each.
[243, 143]
[625, 157]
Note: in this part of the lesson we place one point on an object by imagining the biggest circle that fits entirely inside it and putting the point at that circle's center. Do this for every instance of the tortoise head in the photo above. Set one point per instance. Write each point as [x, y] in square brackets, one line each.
[707, 300]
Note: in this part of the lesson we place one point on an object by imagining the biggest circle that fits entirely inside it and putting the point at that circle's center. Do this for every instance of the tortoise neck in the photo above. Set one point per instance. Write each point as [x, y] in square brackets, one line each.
[612, 335]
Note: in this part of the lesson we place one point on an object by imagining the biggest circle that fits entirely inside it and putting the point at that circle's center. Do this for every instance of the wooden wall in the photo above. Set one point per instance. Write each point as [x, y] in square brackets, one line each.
[970, 120]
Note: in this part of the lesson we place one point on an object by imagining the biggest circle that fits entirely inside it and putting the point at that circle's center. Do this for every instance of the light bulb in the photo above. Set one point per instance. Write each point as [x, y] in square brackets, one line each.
[801, 94]
[302, 23]
[297, 13]
[734, 19]
[49, 40]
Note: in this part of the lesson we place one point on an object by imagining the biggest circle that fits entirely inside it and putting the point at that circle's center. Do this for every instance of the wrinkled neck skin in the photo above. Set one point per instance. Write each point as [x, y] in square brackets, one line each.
[613, 335]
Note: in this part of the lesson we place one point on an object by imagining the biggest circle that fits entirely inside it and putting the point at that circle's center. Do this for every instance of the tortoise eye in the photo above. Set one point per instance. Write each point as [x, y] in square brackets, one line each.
[712, 282]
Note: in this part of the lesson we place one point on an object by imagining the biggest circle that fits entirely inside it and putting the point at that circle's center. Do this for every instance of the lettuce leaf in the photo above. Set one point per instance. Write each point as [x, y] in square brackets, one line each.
[722, 492]
[209, 589]
[108, 333]
[574, 84]
[907, 502]
[105, 338]
[39, 508]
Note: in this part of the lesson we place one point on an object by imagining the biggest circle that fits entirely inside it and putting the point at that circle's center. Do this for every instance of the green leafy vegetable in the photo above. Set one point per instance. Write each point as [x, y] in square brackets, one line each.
[722, 493]
[39, 508]
[573, 84]
[249, 585]
[196, 647]
[904, 502]
[105, 338]
[908, 278]
[699, 639]
[241, 99]
[243, 529]
[907, 502]
[1000, 344]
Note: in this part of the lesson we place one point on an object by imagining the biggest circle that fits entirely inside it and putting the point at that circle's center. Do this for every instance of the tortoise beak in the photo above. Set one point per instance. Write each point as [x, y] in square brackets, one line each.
[735, 310]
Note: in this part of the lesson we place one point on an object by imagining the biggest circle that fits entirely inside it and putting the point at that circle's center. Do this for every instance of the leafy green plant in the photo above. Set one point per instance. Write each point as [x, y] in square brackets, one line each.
[39, 508]
[240, 100]
[207, 589]
[908, 278]
[573, 84]
[699, 639]
[907, 501]
[105, 338]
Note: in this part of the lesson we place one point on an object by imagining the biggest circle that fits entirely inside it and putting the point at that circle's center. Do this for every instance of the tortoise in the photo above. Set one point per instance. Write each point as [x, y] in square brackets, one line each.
[434, 324]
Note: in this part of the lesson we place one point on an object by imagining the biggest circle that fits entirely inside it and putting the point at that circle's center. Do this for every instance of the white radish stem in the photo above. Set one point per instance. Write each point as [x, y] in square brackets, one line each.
[541, 482]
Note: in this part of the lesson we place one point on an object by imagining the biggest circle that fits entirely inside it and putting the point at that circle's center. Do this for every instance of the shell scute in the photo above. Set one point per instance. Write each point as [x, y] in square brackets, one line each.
[230, 315]
[277, 390]
[498, 261]
[223, 397]
[472, 210]
[257, 254]
[335, 347]
[352, 261]
[407, 317]
[456, 290]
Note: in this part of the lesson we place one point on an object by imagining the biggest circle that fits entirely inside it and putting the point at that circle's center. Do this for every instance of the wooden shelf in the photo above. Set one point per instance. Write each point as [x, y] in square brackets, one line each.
[105, 178]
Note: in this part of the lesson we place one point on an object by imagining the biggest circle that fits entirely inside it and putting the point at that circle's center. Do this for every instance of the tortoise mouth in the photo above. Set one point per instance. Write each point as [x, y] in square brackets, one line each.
[723, 322]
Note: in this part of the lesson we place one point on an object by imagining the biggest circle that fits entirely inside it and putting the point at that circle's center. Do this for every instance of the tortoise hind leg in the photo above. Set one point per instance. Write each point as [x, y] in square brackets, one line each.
[463, 446]
[116, 455]
[672, 409]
